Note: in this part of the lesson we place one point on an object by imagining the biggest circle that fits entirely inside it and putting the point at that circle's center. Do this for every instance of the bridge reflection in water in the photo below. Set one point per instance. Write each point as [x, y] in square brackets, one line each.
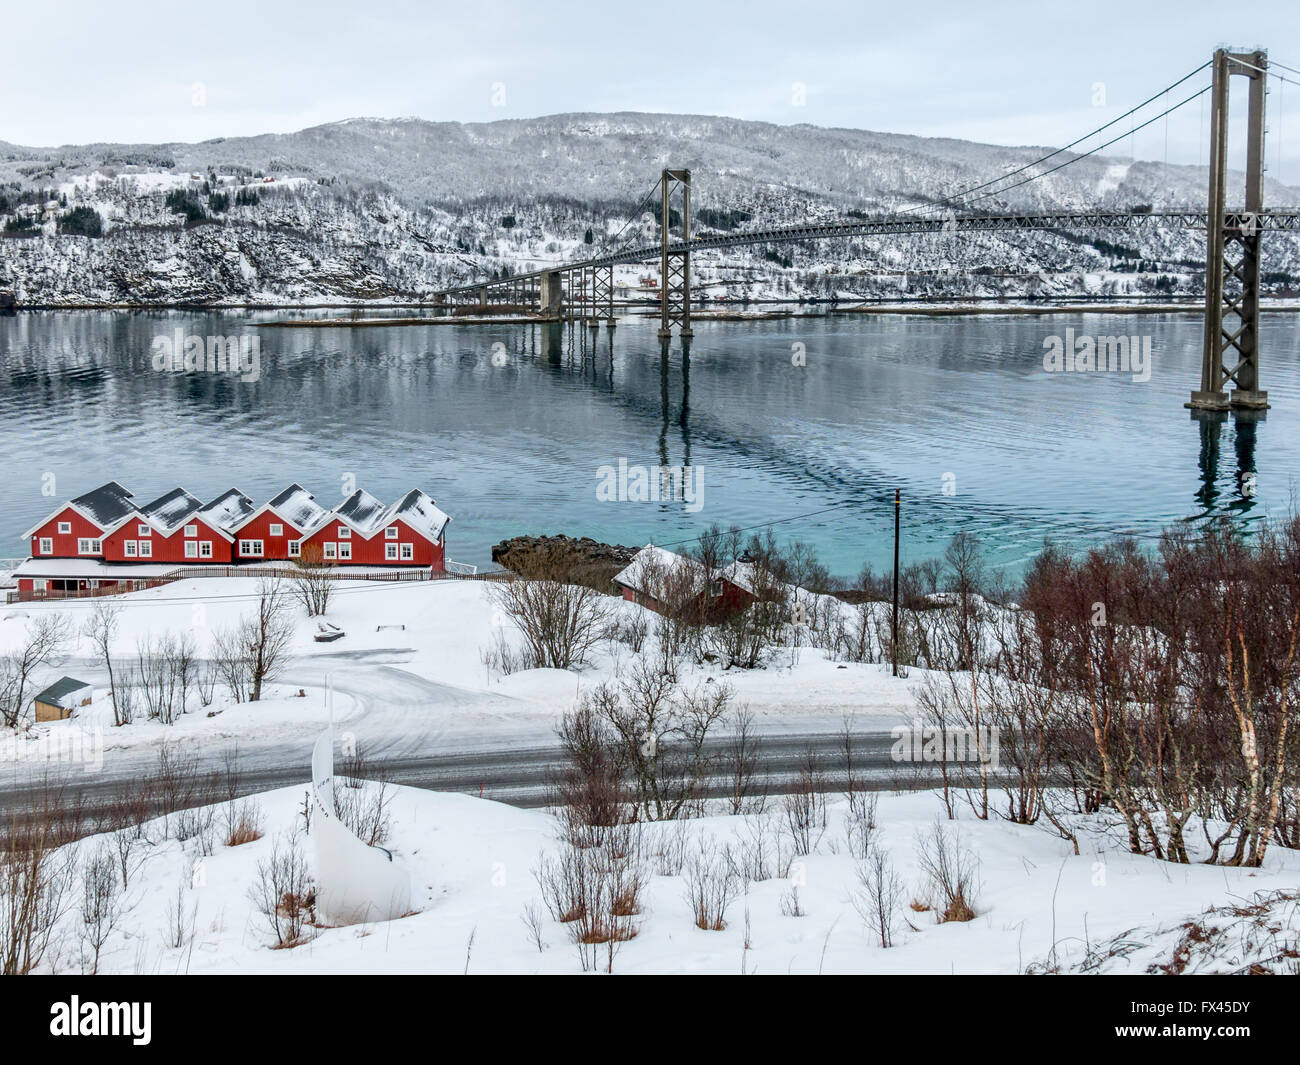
[1210, 497]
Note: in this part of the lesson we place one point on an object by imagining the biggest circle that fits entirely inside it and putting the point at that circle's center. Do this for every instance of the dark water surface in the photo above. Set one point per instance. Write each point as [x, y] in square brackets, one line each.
[508, 426]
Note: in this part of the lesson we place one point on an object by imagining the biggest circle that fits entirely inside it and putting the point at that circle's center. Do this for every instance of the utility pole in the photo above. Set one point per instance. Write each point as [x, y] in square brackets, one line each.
[893, 625]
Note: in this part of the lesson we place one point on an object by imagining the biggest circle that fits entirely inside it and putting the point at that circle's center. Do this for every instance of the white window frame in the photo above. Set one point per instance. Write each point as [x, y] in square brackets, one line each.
[345, 552]
[252, 549]
[142, 529]
[330, 550]
[146, 548]
[345, 533]
[390, 552]
[275, 529]
[391, 532]
[191, 530]
[408, 552]
[191, 549]
[65, 528]
[45, 545]
[128, 549]
[295, 548]
[88, 545]
[205, 549]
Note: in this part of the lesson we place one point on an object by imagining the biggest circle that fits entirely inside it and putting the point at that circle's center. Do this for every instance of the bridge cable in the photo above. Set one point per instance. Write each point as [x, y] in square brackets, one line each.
[1066, 148]
[1091, 151]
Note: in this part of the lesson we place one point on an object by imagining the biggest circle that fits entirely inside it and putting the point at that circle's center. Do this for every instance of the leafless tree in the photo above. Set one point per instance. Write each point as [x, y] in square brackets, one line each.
[101, 902]
[101, 629]
[314, 579]
[560, 622]
[46, 638]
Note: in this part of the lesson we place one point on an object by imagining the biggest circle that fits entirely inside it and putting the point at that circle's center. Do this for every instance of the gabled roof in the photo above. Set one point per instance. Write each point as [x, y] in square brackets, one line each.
[298, 507]
[651, 566]
[362, 511]
[228, 511]
[170, 511]
[60, 690]
[419, 511]
[105, 505]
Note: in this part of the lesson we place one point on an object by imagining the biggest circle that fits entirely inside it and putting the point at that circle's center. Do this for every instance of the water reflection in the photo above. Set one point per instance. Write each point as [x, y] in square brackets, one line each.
[1244, 495]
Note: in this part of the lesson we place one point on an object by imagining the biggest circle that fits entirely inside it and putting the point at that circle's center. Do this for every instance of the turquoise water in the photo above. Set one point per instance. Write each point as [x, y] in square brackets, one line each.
[812, 419]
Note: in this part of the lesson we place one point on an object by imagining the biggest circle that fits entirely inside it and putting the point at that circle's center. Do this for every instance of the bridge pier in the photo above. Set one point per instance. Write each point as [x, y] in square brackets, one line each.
[1232, 252]
[674, 266]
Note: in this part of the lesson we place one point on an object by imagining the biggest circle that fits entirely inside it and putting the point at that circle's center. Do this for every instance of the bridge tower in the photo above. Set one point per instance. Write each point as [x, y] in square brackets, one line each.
[1232, 248]
[674, 266]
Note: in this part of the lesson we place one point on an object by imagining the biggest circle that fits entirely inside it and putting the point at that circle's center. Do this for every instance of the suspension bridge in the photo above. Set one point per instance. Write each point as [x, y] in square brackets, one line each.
[583, 290]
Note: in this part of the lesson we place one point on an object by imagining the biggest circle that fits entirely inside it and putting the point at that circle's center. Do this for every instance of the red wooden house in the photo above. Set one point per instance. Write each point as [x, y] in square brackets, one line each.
[362, 531]
[659, 579]
[170, 529]
[104, 542]
[276, 531]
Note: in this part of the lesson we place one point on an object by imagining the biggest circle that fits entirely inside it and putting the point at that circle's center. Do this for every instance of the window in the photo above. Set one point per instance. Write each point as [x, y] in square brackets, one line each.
[345, 551]
[715, 589]
[128, 548]
[390, 533]
[65, 527]
[276, 530]
[191, 549]
[45, 546]
[295, 548]
[331, 550]
[390, 552]
[87, 547]
[345, 533]
[205, 549]
[146, 548]
[191, 530]
[143, 530]
[250, 549]
[408, 552]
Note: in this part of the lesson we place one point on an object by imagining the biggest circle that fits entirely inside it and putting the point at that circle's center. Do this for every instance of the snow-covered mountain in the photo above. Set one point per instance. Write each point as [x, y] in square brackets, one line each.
[392, 209]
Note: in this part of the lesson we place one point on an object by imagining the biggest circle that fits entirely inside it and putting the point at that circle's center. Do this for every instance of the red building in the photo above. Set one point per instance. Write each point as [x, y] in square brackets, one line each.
[103, 541]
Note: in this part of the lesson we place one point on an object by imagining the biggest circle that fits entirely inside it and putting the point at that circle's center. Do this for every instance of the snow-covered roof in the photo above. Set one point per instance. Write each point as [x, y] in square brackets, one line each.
[652, 565]
[105, 505]
[363, 512]
[66, 693]
[90, 568]
[419, 511]
[298, 506]
[228, 511]
[170, 511]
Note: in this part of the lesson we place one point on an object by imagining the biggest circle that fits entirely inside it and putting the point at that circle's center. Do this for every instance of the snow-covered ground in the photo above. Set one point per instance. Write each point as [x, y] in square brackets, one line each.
[409, 675]
[473, 865]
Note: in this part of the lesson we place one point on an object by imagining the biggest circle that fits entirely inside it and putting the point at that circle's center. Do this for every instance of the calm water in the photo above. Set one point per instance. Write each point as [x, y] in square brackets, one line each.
[512, 444]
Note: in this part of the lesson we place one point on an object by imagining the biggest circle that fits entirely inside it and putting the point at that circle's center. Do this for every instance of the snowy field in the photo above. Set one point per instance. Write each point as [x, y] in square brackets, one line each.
[409, 675]
[473, 863]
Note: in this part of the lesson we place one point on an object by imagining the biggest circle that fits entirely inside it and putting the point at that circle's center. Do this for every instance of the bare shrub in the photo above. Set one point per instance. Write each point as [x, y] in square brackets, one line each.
[860, 822]
[283, 893]
[746, 793]
[951, 871]
[101, 903]
[761, 852]
[35, 885]
[243, 822]
[805, 806]
[879, 895]
[712, 884]
[533, 922]
[313, 579]
[560, 622]
[182, 915]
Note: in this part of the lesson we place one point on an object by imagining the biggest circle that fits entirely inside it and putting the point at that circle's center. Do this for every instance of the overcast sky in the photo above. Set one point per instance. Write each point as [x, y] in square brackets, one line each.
[1009, 73]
